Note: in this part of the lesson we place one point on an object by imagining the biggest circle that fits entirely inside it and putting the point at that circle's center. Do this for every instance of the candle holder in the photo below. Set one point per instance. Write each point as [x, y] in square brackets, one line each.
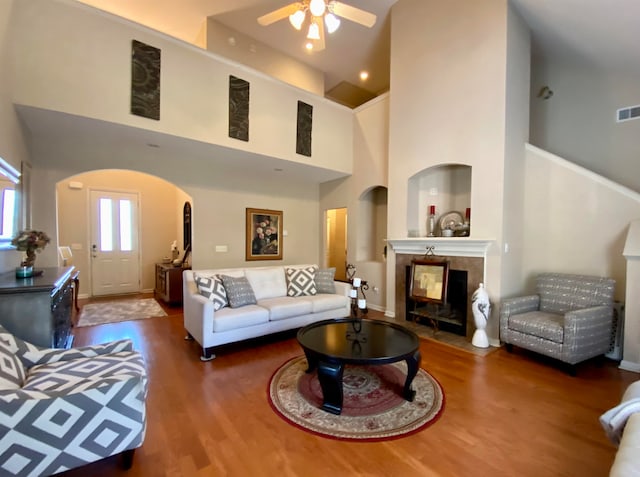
[358, 310]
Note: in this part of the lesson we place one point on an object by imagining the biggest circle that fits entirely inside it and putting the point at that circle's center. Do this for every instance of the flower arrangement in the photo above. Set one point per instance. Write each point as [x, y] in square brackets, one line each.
[30, 242]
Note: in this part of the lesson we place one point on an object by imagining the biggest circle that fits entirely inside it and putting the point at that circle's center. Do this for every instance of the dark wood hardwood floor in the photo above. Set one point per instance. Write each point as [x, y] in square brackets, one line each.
[505, 414]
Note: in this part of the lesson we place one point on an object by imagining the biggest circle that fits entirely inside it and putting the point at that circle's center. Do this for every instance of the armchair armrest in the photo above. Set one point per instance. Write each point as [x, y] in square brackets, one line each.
[516, 306]
[53, 355]
[587, 332]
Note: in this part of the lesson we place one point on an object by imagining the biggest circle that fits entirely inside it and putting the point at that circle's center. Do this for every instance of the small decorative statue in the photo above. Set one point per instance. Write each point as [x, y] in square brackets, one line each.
[481, 308]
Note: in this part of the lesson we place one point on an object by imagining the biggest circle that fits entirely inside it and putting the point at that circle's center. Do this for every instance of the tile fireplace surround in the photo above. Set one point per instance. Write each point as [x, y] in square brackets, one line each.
[462, 254]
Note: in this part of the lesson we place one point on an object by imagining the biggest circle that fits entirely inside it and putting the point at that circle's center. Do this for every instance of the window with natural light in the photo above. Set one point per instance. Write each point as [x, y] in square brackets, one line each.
[125, 226]
[8, 212]
[106, 228]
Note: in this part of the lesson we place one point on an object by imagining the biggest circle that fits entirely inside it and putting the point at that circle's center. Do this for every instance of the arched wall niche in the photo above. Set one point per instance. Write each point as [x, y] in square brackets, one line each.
[372, 225]
[447, 186]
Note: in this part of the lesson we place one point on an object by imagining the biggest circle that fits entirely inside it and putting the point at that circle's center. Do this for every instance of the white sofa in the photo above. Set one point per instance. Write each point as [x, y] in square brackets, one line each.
[622, 425]
[273, 312]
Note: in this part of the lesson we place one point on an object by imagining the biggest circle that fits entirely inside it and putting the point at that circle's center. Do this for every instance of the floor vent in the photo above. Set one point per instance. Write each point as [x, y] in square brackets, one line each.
[627, 114]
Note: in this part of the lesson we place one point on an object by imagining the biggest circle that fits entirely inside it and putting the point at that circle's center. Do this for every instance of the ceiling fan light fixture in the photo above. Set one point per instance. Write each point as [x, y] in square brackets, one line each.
[314, 32]
[332, 22]
[297, 19]
[317, 7]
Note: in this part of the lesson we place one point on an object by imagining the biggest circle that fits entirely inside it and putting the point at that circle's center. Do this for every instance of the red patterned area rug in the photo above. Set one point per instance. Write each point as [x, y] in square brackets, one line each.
[373, 407]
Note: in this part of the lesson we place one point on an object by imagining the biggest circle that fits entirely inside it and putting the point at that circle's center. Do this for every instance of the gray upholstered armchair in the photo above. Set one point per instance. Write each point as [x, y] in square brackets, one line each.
[569, 319]
[61, 409]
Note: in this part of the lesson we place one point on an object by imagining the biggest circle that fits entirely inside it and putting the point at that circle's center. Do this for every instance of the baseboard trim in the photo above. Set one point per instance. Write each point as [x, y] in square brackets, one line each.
[389, 314]
[629, 366]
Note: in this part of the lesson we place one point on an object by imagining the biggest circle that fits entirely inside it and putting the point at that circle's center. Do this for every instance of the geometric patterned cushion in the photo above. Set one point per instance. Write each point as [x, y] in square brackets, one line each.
[324, 280]
[212, 288]
[239, 291]
[301, 281]
[11, 370]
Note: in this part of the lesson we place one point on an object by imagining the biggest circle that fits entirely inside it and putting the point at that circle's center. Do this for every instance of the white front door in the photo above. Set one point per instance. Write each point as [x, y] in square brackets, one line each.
[115, 263]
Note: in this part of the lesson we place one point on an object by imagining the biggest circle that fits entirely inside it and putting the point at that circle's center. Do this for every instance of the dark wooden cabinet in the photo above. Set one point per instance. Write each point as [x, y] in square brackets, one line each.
[169, 283]
[38, 309]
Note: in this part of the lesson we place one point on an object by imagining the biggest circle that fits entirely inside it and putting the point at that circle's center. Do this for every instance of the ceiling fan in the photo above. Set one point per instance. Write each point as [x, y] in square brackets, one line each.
[321, 13]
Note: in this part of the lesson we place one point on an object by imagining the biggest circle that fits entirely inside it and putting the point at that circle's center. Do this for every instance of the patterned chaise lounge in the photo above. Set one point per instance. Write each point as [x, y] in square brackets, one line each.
[61, 409]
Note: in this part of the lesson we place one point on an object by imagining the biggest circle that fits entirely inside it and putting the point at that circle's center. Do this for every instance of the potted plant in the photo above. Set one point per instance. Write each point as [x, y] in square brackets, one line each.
[30, 242]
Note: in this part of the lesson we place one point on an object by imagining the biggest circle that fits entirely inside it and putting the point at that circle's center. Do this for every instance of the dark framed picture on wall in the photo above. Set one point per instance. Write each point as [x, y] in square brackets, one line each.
[264, 234]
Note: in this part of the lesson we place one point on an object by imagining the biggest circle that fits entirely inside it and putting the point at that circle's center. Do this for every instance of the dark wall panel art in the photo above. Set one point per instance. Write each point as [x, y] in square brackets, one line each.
[238, 108]
[145, 80]
[303, 133]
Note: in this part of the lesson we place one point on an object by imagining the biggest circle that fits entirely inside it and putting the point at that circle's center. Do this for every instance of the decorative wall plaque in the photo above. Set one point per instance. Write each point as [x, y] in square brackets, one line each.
[303, 133]
[238, 108]
[145, 80]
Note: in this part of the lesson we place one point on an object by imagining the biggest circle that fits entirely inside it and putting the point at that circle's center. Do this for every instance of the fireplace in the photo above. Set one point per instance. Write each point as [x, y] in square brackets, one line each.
[449, 316]
[473, 268]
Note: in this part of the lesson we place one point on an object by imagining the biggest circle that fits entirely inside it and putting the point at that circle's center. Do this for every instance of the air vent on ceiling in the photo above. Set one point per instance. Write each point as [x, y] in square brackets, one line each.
[627, 114]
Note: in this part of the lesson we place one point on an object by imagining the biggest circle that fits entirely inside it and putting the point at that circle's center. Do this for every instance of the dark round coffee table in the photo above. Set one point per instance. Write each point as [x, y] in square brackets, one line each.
[330, 344]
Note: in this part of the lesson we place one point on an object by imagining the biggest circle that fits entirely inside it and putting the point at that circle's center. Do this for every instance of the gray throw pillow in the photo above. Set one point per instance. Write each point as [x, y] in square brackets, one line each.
[324, 280]
[239, 291]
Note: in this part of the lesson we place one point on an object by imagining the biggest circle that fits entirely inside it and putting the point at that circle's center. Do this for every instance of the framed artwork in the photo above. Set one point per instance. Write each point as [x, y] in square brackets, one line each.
[263, 234]
[429, 281]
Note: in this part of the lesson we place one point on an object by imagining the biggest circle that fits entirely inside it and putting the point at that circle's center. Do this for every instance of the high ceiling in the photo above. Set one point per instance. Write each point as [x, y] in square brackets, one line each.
[596, 32]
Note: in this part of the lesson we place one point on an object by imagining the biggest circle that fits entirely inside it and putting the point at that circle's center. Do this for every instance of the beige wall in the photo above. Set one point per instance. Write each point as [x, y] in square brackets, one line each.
[12, 144]
[95, 82]
[577, 221]
[257, 55]
[159, 204]
[448, 106]
[579, 121]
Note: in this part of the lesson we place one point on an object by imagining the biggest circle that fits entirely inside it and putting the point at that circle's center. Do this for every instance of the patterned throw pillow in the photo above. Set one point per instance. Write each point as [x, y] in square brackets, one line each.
[239, 291]
[212, 288]
[12, 373]
[324, 280]
[301, 281]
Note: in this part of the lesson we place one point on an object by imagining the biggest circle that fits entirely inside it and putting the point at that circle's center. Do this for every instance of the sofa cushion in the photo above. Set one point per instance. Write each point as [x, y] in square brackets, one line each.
[540, 324]
[286, 307]
[229, 319]
[267, 282]
[301, 281]
[326, 302]
[239, 291]
[324, 280]
[12, 372]
[212, 288]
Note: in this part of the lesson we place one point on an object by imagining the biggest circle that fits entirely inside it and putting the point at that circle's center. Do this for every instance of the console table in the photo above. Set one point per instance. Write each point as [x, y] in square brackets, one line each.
[38, 309]
[169, 283]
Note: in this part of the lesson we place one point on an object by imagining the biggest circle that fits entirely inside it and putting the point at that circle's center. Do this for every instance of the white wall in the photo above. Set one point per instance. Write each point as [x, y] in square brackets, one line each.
[83, 56]
[579, 121]
[576, 221]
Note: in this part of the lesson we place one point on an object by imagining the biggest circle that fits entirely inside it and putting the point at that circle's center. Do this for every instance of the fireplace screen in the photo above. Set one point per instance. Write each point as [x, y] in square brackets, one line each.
[429, 281]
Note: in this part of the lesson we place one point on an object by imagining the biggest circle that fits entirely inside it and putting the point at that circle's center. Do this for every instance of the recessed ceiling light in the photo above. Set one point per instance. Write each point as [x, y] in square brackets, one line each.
[364, 75]
[232, 41]
[309, 46]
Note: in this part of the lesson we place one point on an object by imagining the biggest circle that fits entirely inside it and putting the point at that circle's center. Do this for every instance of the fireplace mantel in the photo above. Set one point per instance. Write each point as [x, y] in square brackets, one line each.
[446, 246]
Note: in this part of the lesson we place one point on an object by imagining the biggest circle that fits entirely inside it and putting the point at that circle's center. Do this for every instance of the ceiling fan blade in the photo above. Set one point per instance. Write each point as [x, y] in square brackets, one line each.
[354, 14]
[279, 14]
